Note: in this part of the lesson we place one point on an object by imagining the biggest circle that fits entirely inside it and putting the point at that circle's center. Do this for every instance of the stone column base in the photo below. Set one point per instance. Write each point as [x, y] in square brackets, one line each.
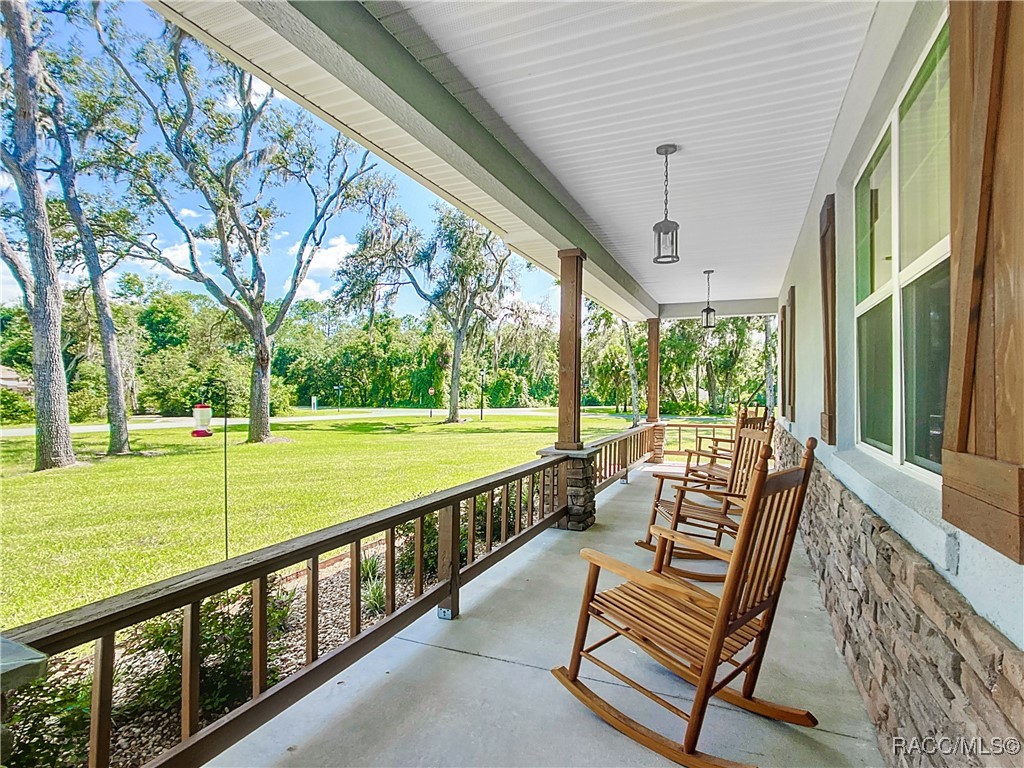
[578, 481]
[658, 444]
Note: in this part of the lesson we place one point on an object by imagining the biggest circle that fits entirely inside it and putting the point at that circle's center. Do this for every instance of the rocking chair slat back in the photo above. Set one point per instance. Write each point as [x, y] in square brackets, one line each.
[749, 442]
[765, 538]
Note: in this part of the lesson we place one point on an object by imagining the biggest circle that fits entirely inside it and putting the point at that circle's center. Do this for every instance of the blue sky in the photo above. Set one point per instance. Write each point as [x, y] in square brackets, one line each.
[418, 202]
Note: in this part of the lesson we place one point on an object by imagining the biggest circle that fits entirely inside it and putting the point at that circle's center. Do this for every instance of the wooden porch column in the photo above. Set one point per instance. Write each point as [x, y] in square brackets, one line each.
[570, 340]
[653, 369]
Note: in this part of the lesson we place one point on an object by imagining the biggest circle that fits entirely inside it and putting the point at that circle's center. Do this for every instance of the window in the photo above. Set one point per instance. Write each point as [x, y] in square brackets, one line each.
[901, 204]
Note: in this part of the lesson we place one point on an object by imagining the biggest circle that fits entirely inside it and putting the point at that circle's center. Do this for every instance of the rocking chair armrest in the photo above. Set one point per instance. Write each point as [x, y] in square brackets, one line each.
[706, 454]
[689, 542]
[712, 492]
[669, 475]
[714, 439]
[652, 581]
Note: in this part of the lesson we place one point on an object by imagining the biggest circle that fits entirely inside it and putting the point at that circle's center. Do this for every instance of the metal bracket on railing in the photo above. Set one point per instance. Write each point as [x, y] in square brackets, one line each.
[444, 613]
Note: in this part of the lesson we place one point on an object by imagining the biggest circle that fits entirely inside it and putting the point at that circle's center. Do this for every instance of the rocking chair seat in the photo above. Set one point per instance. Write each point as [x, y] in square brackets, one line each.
[677, 626]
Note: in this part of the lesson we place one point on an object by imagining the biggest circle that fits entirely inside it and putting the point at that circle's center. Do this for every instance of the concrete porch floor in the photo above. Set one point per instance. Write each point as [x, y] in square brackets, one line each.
[477, 691]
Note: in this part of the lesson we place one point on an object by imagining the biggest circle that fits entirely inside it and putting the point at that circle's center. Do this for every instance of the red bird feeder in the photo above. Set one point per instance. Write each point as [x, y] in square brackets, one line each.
[202, 414]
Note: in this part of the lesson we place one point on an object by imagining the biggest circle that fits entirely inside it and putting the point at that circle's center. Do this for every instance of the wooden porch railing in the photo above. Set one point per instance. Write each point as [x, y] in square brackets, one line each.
[619, 453]
[680, 435]
[515, 505]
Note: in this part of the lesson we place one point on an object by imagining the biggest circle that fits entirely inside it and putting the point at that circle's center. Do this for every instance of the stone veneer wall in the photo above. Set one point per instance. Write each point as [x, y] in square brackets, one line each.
[924, 662]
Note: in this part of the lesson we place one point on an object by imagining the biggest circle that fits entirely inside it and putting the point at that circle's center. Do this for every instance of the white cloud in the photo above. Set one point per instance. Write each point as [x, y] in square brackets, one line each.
[328, 259]
[6, 181]
[10, 291]
[309, 289]
[188, 213]
[282, 235]
[176, 253]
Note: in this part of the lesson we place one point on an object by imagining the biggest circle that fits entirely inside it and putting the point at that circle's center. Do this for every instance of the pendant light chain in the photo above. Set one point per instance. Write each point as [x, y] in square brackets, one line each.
[708, 273]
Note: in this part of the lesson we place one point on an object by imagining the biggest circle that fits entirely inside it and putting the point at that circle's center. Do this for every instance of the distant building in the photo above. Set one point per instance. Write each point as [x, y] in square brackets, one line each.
[11, 379]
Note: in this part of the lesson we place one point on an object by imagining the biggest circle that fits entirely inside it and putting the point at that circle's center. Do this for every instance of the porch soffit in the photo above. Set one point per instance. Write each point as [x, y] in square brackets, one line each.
[583, 92]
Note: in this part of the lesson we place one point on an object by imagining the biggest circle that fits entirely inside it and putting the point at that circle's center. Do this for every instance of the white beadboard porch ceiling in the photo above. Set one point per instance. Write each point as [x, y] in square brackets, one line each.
[582, 93]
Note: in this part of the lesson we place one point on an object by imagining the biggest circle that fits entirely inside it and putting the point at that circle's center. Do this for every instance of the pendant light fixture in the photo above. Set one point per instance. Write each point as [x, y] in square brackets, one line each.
[707, 315]
[666, 231]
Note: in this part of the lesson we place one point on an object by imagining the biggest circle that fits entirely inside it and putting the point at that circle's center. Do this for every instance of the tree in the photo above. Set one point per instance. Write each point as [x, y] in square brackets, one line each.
[38, 279]
[461, 272]
[634, 384]
[208, 115]
[85, 121]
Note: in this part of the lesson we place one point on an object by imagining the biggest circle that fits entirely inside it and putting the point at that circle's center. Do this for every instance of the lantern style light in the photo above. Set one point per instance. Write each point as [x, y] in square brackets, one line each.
[666, 231]
[707, 315]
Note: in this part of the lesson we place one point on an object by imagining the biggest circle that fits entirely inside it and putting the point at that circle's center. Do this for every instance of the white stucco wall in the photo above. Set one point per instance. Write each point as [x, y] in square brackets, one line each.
[992, 583]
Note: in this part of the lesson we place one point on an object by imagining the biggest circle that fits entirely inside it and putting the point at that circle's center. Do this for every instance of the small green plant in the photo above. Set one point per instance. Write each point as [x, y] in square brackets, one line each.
[370, 569]
[374, 596]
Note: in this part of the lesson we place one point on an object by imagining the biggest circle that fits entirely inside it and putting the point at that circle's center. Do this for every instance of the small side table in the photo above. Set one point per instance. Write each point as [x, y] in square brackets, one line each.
[19, 665]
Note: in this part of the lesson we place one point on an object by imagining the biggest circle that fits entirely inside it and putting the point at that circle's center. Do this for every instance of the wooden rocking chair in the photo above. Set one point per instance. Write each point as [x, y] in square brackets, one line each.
[720, 449]
[711, 521]
[692, 632]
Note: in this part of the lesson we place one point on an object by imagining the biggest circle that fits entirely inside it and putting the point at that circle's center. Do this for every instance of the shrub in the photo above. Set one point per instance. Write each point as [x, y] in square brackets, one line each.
[225, 678]
[405, 561]
[50, 722]
[15, 408]
[85, 405]
[282, 397]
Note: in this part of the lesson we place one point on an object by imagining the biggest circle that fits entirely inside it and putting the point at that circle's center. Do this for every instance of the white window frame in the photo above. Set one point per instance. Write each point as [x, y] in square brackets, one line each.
[899, 280]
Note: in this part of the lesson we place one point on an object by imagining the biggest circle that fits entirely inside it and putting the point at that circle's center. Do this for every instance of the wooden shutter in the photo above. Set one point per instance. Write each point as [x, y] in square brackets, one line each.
[983, 445]
[791, 361]
[827, 229]
[783, 363]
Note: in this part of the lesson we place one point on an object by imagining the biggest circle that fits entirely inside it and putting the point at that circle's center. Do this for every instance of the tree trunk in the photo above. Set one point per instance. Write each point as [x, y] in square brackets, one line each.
[53, 427]
[709, 375]
[259, 395]
[453, 388]
[117, 414]
[634, 383]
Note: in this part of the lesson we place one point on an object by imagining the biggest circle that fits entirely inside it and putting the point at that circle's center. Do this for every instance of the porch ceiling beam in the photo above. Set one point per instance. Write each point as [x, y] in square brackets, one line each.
[729, 308]
[348, 41]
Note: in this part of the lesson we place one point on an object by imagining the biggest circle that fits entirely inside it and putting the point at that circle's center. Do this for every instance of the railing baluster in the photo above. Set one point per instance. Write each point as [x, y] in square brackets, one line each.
[417, 574]
[312, 609]
[102, 698]
[504, 513]
[355, 606]
[518, 506]
[190, 661]
[389, 571]
[489, 523]
[471, 529]
[259, 635]
[529, 504]
[540, 494]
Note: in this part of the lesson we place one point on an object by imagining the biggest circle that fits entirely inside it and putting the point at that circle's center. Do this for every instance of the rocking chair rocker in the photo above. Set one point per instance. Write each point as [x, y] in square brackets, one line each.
[692, 632]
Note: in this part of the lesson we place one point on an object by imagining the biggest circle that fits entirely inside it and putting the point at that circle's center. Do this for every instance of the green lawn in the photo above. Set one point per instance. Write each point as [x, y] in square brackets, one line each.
[72, 536]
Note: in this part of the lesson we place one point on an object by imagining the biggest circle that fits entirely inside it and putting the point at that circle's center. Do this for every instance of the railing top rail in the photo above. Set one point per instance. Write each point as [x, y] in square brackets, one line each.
[82, 625]
[618, 435]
